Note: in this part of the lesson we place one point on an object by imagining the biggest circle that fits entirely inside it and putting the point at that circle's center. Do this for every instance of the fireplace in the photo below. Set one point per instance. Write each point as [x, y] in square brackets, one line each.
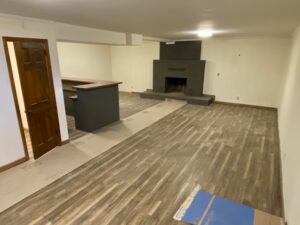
[174, 84]
[179, 73]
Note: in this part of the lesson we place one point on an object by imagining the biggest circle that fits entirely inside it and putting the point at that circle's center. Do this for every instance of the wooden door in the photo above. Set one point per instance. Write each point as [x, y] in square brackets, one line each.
[38, 93]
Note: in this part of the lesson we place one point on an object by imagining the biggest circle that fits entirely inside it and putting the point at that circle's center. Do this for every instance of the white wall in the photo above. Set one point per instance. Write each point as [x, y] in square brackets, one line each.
[73, 33]
[250, 68]
[133, 65]
[255, 76]
[122, 67]
[11, 147]
[88, 61]
[289, 129]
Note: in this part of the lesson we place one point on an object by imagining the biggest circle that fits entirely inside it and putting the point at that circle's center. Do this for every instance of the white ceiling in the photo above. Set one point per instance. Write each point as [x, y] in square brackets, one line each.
[174, 19]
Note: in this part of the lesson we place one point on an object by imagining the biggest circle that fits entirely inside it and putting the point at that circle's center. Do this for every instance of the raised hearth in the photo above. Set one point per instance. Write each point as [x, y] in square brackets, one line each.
[202, 100]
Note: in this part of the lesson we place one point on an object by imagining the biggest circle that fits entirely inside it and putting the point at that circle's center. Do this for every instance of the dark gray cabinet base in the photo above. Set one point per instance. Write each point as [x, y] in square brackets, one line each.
[96, 108]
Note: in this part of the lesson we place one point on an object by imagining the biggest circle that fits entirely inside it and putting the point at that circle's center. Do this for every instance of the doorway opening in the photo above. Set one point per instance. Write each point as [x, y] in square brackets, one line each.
[31, 80]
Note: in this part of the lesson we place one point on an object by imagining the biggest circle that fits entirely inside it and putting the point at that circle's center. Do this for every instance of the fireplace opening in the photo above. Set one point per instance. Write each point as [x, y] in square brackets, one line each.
[175, 84]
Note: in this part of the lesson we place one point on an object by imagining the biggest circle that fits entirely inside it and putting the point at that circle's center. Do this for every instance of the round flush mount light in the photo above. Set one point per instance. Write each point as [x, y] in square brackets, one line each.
[205, 33]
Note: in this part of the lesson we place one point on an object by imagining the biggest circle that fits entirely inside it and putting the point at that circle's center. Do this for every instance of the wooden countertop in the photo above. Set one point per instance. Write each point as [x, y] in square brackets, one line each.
[99, 84]
[69, 88]
[88, 84]
[79, 80]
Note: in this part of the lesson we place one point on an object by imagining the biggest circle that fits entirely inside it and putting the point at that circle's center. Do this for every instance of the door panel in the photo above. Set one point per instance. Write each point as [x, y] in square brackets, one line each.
[36, 81]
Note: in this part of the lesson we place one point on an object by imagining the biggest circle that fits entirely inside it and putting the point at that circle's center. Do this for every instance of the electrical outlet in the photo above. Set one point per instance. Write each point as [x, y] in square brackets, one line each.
[237, 98]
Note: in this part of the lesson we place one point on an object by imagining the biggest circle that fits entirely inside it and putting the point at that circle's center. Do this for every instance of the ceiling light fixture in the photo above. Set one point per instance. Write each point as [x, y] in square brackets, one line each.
[205, 33]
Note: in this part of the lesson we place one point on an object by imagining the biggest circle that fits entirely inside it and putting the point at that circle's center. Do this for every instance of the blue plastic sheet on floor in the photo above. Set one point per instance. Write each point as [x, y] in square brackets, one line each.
[197, 208]
[226, 212]
[202, 208]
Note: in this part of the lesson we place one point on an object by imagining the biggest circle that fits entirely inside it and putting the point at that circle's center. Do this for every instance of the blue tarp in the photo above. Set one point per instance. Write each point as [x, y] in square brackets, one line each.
[197, 208]
[221, 211]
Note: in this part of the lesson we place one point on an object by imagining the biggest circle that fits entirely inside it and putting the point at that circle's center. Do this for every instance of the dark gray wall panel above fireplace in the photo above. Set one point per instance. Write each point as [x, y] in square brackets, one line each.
[181, 50]
[192, 70]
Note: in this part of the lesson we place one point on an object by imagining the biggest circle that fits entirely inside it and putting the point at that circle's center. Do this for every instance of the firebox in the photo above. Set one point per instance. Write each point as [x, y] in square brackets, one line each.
[174, 84]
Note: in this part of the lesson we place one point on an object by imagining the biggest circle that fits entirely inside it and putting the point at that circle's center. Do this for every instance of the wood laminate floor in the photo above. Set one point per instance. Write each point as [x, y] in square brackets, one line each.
[130, 103]
[230, 151]
[73, 132]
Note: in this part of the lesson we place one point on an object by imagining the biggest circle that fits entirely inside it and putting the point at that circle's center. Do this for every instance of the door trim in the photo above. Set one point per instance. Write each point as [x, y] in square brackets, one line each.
[13, 88]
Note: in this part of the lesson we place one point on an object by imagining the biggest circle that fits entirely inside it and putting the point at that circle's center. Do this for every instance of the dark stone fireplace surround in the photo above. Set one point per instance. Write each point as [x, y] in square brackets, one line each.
[179, 74]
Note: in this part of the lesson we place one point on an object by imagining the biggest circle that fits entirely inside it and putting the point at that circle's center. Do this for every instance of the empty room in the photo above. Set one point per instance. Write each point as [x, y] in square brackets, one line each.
[149, 112]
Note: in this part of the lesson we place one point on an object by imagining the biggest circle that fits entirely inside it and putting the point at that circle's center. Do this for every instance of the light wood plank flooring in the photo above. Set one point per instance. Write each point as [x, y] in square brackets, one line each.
[73, 132]
[130, 103]
[230, 151]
